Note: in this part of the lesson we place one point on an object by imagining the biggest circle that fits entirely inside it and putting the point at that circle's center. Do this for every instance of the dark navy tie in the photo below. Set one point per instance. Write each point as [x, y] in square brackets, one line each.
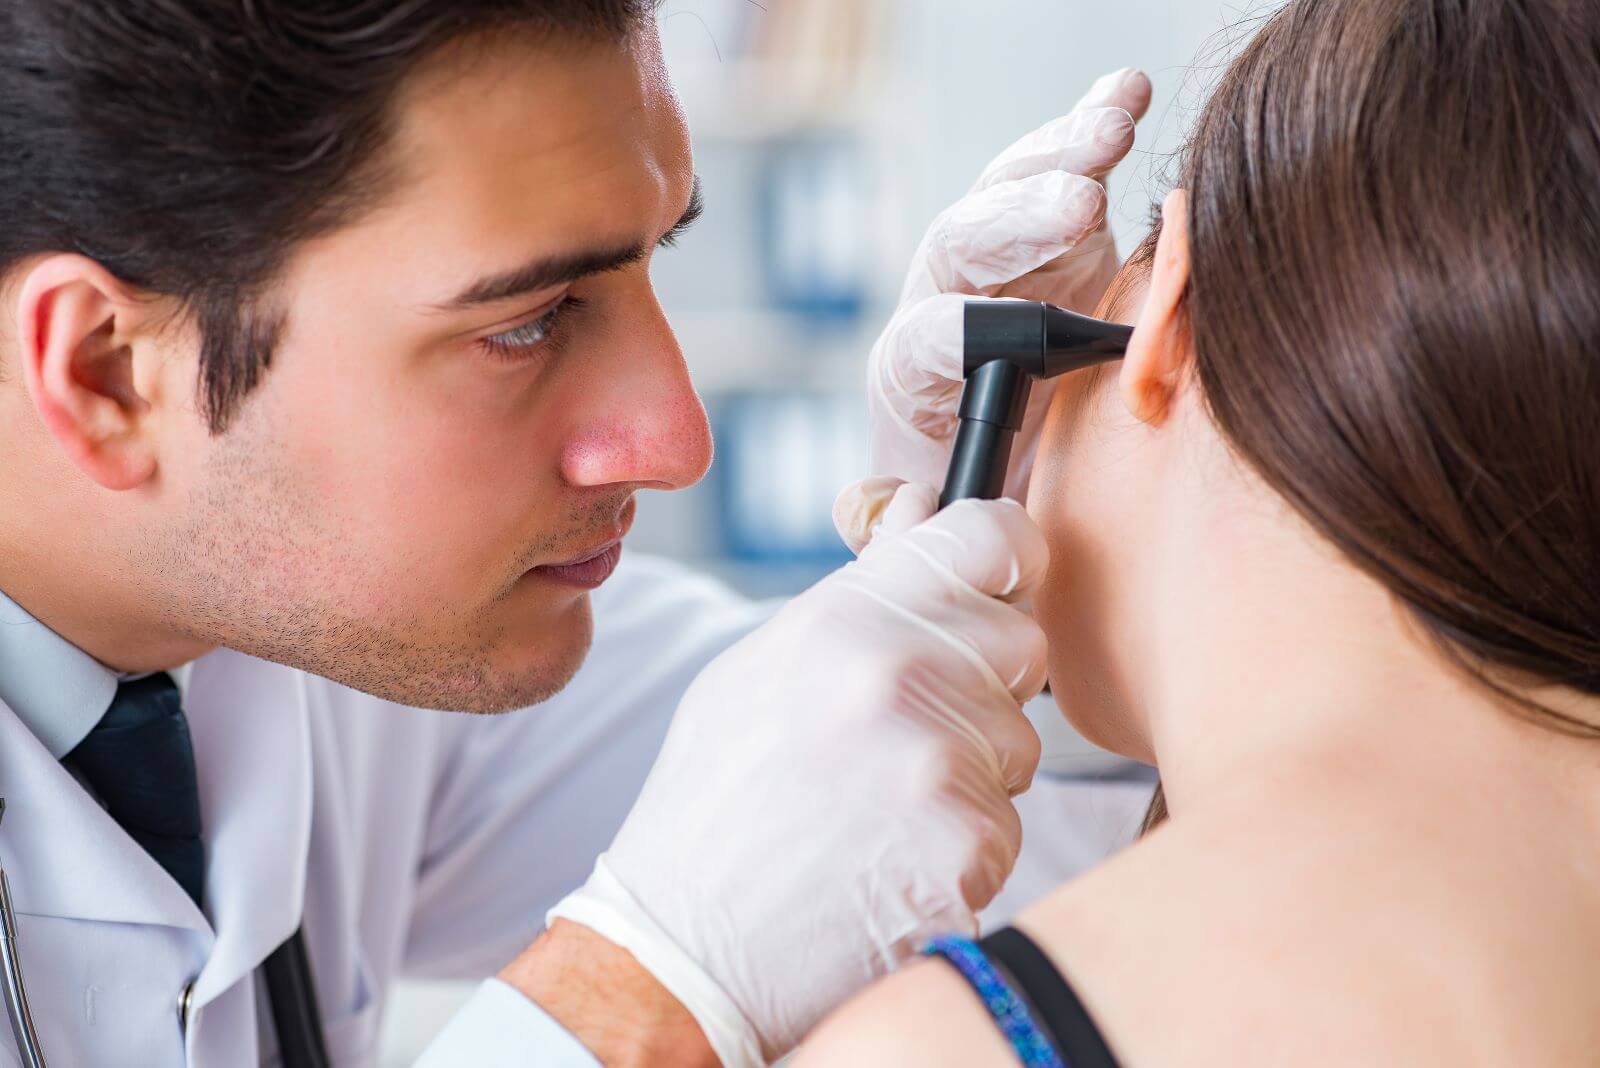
[140, 761]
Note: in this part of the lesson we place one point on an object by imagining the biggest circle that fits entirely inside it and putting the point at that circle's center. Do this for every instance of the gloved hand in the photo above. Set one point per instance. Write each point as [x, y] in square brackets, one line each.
[1033, 227]
[836, 788]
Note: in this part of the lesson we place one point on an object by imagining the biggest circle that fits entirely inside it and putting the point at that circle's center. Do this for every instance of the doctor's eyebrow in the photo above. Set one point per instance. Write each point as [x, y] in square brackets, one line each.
[549, 271]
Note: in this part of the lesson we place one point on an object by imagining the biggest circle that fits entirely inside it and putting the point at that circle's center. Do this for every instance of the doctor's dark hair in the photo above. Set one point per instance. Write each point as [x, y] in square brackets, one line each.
[190, 145]
[1394, 302]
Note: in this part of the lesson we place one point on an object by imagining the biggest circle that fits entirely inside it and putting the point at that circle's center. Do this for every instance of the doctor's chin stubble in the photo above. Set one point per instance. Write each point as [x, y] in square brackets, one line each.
[259, 567]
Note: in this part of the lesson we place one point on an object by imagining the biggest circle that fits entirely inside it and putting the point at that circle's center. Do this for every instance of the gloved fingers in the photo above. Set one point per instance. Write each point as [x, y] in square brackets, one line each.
[952, 577]
[1005, 639]
[999, 234]
[917, 364]
[1089, 142]
[1019, 759]
[992, 546]
[961, 572]
[1026, 667]
[858, 510]
[1000, 737]
[1090, 139]
[1002, 643]
[998, 842]
[975, 817]
[881, 507]
[913, 503]
[1128, 89]
[1076, 280]
[1013, 741]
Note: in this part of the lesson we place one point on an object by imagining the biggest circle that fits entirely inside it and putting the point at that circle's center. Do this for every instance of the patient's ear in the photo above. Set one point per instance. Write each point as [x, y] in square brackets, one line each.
[1158, 354]
[85, 342]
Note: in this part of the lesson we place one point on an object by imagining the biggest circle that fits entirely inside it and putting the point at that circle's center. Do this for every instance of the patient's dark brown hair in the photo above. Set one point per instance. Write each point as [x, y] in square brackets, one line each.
[1394, 300]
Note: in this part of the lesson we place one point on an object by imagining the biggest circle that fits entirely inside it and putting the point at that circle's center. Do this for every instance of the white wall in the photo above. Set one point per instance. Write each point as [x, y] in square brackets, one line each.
[1003, 67]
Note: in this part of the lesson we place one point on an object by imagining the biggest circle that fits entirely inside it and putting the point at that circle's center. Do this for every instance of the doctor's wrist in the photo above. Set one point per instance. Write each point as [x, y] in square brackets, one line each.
[607, 1000]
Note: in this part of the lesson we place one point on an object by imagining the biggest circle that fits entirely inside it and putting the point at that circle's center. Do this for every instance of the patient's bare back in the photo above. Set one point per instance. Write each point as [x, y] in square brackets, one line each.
[1307, 935]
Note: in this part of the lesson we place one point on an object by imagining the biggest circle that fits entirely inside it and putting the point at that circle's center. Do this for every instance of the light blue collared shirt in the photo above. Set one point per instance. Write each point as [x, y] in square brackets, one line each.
[57, 690]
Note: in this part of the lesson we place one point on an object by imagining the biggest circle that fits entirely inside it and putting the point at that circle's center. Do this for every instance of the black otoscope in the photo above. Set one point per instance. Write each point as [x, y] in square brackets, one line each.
[1009, 343]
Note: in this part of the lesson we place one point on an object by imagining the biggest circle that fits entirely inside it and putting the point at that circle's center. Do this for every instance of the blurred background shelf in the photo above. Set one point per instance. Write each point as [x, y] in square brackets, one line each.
[828, 134]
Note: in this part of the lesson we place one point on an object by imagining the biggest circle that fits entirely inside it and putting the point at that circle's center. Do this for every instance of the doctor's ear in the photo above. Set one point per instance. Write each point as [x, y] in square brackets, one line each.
[84, 339]
[1158, 354]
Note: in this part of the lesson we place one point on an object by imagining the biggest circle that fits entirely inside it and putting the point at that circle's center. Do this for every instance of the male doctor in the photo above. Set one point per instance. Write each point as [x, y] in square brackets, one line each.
[329, 371]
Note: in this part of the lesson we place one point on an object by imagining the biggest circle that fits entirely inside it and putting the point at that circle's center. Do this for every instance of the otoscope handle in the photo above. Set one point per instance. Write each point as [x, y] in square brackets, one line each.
[992, 405]
[971, 472]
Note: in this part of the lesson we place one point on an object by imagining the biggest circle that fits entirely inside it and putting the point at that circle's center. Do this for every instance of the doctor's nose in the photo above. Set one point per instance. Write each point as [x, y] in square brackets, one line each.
[651, 428]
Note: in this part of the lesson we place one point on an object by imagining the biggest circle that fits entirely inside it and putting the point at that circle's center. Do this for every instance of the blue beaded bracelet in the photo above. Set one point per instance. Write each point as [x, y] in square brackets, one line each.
[1010, 1011]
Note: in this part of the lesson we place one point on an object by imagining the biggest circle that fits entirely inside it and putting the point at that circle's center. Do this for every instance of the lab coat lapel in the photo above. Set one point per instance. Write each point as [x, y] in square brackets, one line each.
[65, 856]
[252, 740]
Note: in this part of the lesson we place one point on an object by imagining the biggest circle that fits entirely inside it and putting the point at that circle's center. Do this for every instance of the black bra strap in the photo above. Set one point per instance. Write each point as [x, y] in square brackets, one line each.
[1059, 1009]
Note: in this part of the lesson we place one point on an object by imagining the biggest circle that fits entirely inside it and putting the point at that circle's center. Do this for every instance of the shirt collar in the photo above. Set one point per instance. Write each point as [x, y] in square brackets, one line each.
[57, 690]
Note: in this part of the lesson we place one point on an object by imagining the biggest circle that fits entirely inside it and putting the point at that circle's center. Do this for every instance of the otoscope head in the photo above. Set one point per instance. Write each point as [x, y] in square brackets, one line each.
[1040, 339]
[1009, 343]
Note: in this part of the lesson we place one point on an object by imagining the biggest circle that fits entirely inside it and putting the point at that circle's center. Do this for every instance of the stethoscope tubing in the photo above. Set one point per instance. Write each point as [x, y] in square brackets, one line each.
[16, 992]
[291, 993]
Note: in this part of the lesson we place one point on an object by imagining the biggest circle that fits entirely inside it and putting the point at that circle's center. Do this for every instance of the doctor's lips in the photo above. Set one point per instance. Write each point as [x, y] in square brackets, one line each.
[586, 573]
[589, 568]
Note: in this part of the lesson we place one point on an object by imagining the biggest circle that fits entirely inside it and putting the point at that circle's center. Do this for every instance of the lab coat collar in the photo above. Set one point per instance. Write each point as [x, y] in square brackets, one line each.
[66, 857]
[252, 738]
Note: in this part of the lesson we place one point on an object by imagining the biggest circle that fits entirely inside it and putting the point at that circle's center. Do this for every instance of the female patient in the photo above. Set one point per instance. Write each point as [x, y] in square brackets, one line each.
[1326, 549]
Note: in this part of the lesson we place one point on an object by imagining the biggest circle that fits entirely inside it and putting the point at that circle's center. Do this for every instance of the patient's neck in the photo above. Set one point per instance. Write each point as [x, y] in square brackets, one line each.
[1276, 669]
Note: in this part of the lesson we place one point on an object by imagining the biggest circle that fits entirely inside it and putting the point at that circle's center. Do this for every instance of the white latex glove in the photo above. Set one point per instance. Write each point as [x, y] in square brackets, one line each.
[1033, 227]
[836, 788]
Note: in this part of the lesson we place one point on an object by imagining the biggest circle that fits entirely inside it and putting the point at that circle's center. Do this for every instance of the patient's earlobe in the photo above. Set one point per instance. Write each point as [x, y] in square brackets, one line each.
[1158, 354]
[74, 321]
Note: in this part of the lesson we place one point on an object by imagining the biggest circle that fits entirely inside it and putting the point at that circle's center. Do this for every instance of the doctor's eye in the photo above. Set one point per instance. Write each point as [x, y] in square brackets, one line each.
[526, 341]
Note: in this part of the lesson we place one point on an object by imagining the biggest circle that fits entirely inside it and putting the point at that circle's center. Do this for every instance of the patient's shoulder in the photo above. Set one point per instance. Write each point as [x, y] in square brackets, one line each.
[1295, 941]
[1197, 948]
[925, 1015]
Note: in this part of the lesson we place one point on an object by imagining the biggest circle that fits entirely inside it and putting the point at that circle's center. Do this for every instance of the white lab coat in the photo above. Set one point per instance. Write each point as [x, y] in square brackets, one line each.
[410, 841]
